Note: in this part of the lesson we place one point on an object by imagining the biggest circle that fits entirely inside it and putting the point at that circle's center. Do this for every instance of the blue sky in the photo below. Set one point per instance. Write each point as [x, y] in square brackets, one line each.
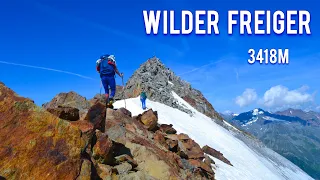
[70, 35]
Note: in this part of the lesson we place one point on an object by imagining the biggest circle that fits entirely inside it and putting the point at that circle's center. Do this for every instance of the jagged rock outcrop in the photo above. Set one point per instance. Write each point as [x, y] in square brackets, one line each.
[36, 144]
[66, 113]
[69, 100]
[159, 82]
[217, 154]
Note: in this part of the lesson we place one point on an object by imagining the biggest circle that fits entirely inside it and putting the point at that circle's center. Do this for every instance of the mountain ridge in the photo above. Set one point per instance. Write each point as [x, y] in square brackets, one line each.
[159, 81]
[286, 133]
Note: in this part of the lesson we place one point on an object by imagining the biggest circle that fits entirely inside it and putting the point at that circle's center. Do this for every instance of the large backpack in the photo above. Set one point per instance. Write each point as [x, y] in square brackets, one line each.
[106, 68]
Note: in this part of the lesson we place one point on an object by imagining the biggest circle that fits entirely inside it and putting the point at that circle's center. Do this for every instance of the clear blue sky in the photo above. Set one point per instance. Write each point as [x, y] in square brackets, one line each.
[70, 35]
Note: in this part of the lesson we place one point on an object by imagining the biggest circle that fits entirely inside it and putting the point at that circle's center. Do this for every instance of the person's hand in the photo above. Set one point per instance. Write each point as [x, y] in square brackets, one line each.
[121, 74]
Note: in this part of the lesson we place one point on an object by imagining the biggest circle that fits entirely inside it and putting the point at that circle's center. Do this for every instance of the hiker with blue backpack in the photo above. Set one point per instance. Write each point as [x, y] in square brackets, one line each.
[143, 98]
[106, 66]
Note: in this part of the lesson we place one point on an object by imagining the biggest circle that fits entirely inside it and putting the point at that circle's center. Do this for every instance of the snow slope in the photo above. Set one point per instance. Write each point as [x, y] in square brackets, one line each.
[247, 164]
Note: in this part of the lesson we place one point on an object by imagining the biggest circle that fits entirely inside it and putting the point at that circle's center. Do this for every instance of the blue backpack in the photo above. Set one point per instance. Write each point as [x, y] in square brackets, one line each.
[106, 68]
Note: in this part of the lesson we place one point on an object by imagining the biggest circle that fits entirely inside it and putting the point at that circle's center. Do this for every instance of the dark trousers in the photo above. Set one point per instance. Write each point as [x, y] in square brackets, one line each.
[143, 103]
[109, 81]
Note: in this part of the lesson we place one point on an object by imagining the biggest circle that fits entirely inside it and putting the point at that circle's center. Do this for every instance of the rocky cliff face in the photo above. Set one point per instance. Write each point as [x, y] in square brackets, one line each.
[35, 143]
[159, 82]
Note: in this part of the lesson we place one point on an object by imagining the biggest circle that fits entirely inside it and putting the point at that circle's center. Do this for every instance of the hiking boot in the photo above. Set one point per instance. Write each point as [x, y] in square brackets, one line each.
[109, 104]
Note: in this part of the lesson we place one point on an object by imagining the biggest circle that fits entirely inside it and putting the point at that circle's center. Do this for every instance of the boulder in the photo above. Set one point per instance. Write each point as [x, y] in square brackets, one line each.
[85, 172]
[151, 162]
[202, 165]
[105, 171]
[149, 119]
[168, 129]
[188, 148]
[123, 168]
[87, 132]
[66, 113]
[96, 115]
[126, 158]
[217, 154]
[172, 145]
[159, 138]
[70, 99]
[34, 143]
[103, 150]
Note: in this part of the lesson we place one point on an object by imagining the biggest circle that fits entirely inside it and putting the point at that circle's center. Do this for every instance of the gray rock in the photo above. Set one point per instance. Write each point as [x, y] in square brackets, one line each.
[159, 82]
[123, 168]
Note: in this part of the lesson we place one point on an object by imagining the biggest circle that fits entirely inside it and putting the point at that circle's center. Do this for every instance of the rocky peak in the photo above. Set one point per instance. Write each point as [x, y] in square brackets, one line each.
[159, 82]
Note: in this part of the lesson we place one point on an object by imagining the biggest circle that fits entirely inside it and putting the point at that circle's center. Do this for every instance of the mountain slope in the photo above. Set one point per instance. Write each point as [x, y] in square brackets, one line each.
[311, 117]
[290, 136]
[249, 162]
[158, 82]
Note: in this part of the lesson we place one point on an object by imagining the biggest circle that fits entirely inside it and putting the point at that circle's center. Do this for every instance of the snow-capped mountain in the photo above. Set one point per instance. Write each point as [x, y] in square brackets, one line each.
[250, 158]
[291, 133]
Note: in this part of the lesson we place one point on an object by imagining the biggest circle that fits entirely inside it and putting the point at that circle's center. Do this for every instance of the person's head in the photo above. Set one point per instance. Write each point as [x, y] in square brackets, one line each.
[112, 58]
[103, 57]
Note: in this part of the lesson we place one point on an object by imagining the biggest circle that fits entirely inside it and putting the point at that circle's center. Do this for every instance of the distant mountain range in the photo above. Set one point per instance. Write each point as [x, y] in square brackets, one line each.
[293, 133]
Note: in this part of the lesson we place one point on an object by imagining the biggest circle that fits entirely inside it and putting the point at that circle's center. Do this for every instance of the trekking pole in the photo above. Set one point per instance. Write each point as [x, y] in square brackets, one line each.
[100, 90]
[125, 104]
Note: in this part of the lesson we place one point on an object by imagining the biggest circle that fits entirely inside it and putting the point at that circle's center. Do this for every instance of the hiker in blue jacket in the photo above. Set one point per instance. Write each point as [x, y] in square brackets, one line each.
[143, 98]
[107, 68]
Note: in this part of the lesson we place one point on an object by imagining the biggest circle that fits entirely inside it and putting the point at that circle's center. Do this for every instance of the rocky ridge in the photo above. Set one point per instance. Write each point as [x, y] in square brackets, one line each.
[93, 146]
[159, 82]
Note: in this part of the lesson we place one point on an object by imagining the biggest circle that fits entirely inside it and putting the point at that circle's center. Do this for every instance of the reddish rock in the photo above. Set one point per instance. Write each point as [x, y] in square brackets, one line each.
[66, 113]
[183, 136]
[126, 158]
[87, 130]
[96, 115]
[208, 160]
[203, 166]
[168, 129]
[118, 146]
[130, 127]
[103, 149]
[188, 148]
[104, 171]
[217, 154]
[34, 143]
[124, 111]
[172, 137]
[159, 138]
[149, 119]
[70, 99]
[152, 159]
[85, 172]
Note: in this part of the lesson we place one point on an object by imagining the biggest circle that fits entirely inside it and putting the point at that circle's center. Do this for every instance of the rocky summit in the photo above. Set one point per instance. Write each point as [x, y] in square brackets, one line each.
[159, 82]
[36, 143]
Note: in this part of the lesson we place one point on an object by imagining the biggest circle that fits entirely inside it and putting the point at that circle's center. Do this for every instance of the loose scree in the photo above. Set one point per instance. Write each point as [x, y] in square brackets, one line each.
[293, 22]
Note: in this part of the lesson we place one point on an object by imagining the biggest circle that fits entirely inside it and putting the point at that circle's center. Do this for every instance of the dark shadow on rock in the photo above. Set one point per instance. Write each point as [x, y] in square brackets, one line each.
[120, 149]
